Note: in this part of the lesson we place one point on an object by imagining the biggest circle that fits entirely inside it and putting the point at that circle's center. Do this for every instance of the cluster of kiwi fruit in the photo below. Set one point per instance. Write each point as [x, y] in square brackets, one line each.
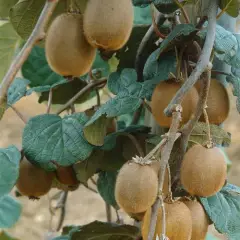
[218, 103]
[35, 182]
[136, 191]
[202, 174]
[203, 170]
[72, 38]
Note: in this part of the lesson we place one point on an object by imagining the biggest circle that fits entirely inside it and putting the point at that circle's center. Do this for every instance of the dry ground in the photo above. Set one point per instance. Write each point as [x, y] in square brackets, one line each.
[83, 206]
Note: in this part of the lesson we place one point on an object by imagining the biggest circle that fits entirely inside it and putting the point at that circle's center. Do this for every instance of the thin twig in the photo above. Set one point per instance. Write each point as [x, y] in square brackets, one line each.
[166, 151]
[205, 84]
[147, 106]
[49, 100]
[20, 115]
[89, 87]
[188, 127]
[185, 15]
[221, 72]
[209, 139]
[139, 64]
[155, 26]
[203, 60]
[98, 98]
[62, 206]
[37, 34]
[73, 109]
[93, 181]
[119, 219]
[137, 115]
[108, 212]
[135, 142]
[90, 188]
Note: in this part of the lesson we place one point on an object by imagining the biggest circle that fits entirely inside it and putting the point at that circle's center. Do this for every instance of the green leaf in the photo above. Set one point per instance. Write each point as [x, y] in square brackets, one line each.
[101, 231]
[159, 69]
[5, 236]
[17, 90]
[42, 78]
[37, 70]
[61, 238]
[123, 103]
[231, 7]
[141, 3]
[129, 95]
[25, 13]
[116, 151]
[106, 187]
[9, 171]
[235, 81]
[87, 168]
[110, 140]
[5, 7]
[8, 44]
[10, 211]
[63, 91]
[127, 54]
[235, 60]
[219, 136]
[124, 81]
[96, 132]
[224, 210]
[182, 33]
[225, 44]
[49, 137]
[142, 15]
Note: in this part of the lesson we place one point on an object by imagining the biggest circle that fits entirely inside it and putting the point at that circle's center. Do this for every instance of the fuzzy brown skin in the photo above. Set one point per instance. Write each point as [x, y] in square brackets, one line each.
[136, 187]
[66, 176]
[68, 52]
[200, 221]
[178, 222]
[163, 94]
[218, 103]
[108, 24]
[203, 171]
[33, 181]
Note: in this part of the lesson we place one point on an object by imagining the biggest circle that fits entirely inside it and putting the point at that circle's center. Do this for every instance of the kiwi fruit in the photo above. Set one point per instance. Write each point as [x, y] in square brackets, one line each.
[67, 51]
[66, 176]
[200, 220]
[178, 222]
[136, 187]
[33, 181]
[203, 171]
[218, 102]
[108, 24]
[163, 94]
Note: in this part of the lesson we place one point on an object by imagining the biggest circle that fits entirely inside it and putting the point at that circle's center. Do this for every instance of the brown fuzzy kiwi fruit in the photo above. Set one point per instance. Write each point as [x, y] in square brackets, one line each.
[178, 222]
[108, 24]
[203, 171]
[163, 94]
[33, 181]
[66, 176]
[136, 187]
[200, 220]
[68, 52]
[218, 102]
